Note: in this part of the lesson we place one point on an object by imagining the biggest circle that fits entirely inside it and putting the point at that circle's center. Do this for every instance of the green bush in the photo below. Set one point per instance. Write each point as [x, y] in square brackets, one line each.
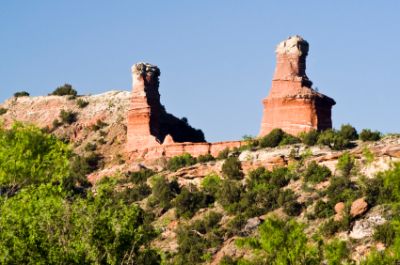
[368, 135]
[232, 168]
[386, 233]
[140, 176]
[211, 184]
[68, 117]
[163, 192]
[309, 138]
[341, 189]
[289, 139]
[21, 94]
[56, 123]
[229, 193]
[348, 132]
[334, 140]
[390, 190]
[293, 208]
[205, 158]
[281, 242]
[346, 164]
[3, 111]
[272, 139]
[315, 173]
[178, 162]
[82, 103]
[29, 156]
[188, 202]
[323, 209]
[64, 90]
[337, 252]
[279, 177]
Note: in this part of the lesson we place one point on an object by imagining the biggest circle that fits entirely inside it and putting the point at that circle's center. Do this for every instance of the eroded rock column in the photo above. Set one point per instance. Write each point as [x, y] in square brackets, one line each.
[292, 104]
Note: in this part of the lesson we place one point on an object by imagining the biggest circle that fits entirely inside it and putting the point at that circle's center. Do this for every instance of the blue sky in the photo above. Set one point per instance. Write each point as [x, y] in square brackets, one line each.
[216, 57]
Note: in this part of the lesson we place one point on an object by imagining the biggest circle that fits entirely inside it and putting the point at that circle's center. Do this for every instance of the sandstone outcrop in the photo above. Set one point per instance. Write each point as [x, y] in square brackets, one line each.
[292, 104]
[358, 207]
[148, 121]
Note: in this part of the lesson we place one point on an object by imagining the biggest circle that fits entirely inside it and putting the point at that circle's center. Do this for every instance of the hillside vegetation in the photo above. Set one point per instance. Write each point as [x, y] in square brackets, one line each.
[279, 200]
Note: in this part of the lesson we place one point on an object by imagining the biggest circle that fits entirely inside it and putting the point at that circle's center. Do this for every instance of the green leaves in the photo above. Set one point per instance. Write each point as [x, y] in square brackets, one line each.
[29, 156]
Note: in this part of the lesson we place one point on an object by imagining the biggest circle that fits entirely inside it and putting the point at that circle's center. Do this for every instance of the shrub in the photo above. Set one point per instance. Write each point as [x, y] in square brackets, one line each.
[163, 192]
[368, 135]
[348, 132]
[227, 260]
[390, 190]
[64, 90]
[235, 225]
[82, 103]
[178, 162]
[316, 173]
[309, 138]
[323, 209]
[188, 202]
[229, 193]
[334, 140]
[139, 176]
[205, 158]
[56, 123]
[281, 242]
[191, 247]
[68, 117]
[211, 184]
[330, 227]
[293, 208]
[278, 177]
[346, 163]
[90, 147]
[232, 168]
[272, 139]
[337, 252]
[94, 161]
[223, 154]
[289, 139]
[21, 94]
[3, 111]
[99, 125]
[385, 233]
[341, 189]
[208, 223]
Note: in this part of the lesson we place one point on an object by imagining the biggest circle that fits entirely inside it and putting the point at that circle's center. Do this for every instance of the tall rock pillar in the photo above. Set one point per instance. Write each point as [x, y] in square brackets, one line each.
[292, 104]
[143, 116]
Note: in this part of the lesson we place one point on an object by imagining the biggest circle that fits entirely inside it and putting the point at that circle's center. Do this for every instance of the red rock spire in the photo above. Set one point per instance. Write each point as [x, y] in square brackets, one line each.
[292, 104]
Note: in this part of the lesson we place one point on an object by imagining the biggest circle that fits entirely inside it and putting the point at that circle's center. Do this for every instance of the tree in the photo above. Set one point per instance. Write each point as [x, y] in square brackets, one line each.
[29, 156]
[282, 242]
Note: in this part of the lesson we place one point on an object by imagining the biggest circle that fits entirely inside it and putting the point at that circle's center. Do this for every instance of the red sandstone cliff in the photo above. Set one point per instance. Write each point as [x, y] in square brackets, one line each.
[148, 122]
[292, 104]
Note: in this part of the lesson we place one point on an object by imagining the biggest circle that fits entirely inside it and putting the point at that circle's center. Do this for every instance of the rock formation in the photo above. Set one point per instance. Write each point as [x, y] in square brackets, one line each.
[292, 104]
[148, 122]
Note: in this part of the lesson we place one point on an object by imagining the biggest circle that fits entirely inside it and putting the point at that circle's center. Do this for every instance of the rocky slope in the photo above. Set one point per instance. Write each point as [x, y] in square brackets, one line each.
[103, 123]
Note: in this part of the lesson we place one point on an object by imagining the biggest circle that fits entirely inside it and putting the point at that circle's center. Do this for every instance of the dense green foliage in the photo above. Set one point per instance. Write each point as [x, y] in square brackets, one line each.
[29, 156]
[178, 162]
[315, 173]
[368, 135]
[64, 90]
[232, 168]
[277, 137]
[47, 216]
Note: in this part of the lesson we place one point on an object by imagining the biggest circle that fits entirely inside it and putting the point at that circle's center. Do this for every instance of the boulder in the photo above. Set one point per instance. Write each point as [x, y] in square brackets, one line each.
[358, 207]
[339, 209]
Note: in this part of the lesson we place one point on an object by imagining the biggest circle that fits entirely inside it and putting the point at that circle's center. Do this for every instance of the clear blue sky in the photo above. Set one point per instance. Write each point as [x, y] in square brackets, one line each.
[216, 57]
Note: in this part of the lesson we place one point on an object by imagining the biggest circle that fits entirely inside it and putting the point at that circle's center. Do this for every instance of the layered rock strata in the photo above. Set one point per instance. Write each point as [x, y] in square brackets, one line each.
[149, 125]
[292, 104]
